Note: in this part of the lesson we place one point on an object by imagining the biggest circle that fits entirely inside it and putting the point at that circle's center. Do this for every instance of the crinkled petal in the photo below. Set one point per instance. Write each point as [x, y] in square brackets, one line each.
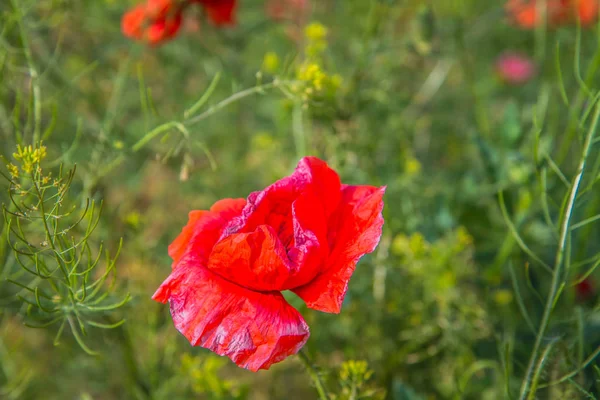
[273, 205]
[259, 260]
[204, 228]
[325, 182]
[279, 241]
[354, 230]
[255, 260]
[310, 247]
[253, 329]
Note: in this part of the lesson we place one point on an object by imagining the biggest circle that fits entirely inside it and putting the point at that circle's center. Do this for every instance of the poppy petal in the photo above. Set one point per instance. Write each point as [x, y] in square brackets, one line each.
[272, 206]
[220, 12]
[255, 260]
[309, 249]
[355, 230]
[268, 260]
[253, 329]
[131, 24]
[203, 229]
[587, 10]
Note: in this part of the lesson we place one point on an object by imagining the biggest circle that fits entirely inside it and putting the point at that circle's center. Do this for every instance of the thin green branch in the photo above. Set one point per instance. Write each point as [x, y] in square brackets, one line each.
[314, 375]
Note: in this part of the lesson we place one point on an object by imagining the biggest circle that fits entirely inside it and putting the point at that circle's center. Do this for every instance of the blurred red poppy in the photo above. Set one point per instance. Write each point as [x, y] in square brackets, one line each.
[585, 290]
[153, 22]
[132, 23]
[157, 21]
[304, 233]
[220, 12]
[530, 13]
[515, 68]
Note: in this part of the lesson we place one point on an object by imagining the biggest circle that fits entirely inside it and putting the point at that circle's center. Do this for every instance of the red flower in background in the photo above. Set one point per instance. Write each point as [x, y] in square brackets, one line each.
[304, 233]
[530, 13]
[514, 68]
[157, 21]
[585, 290]
[287, 9]
[220, 12]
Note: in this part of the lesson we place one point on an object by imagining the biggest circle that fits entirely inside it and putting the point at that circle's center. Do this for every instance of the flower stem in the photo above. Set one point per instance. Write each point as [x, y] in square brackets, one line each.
[562, 242]
[314, 375]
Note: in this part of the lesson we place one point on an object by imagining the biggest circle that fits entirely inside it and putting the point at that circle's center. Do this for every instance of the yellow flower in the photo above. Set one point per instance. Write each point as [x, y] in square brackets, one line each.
[133, 219]
[13, 170]
[312, 74]
[29, 156]
[270, 62]
[355, 370]
[315, 31]
[412, 166]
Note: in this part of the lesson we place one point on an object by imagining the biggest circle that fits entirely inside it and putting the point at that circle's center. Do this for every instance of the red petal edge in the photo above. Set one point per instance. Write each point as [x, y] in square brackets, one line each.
[253, 329]
[355, 230]
[203, 229]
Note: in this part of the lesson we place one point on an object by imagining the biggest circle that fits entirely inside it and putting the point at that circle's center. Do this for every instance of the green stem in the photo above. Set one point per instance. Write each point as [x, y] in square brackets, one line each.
[564, 233]
[37, 103]
[314, 375]
[298, 130]
[128, 352]
[48, 233]
[232, 99]
[211, 110]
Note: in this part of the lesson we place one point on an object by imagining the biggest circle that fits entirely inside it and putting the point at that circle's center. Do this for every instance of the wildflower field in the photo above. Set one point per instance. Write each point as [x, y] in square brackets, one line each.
[300, 199]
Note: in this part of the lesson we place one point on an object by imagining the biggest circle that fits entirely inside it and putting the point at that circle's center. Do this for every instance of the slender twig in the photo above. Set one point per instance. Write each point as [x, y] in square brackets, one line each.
[556, 275]
[314, 375]
[37, 102]
[181, 126]
[232, 99]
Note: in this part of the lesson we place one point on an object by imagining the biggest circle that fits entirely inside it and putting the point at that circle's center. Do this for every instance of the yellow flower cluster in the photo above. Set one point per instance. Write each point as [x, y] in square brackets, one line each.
[313, 79]
[313, 74]
[29, 156]
[357, 371]
[316, 36]
[13, 170]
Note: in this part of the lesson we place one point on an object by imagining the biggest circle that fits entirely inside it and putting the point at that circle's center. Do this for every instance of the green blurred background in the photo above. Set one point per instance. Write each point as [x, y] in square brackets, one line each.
[416, 104]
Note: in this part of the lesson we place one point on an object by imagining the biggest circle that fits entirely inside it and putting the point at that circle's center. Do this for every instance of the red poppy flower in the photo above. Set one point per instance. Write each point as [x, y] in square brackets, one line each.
[303, 233]
[154, 22]
[585, 290]
[220, 12]
[587, 11]
[133, 21]
[159, 20]
[164, 29]
[529, 13]
[515, 68]
[156, 9]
